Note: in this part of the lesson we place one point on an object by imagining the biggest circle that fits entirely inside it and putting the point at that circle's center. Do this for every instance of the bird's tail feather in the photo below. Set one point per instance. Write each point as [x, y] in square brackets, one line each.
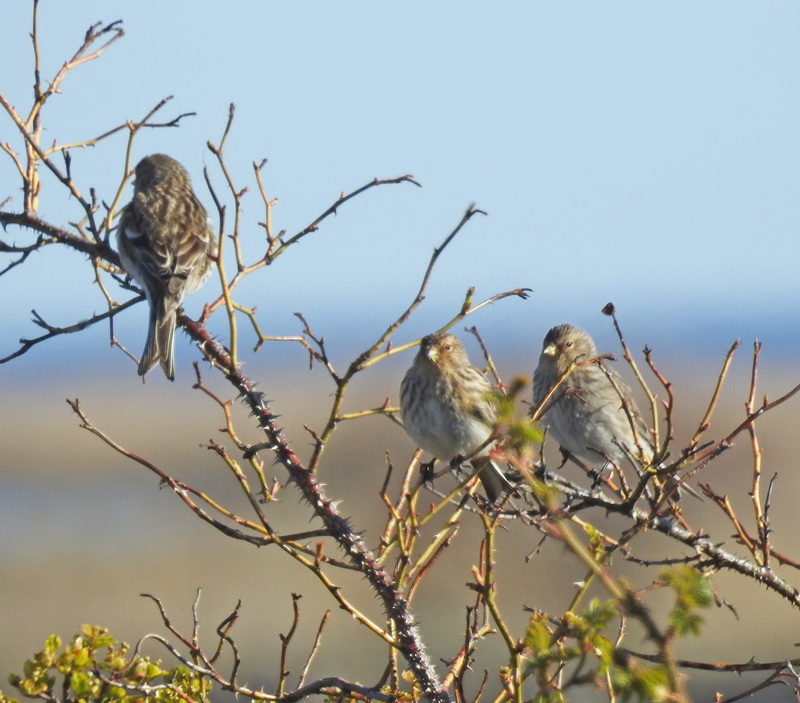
[160, 343]
[494, 482]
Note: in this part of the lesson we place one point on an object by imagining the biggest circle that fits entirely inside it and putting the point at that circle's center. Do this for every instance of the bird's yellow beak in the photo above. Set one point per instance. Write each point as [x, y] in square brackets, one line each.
[432, 353]
[550, 350]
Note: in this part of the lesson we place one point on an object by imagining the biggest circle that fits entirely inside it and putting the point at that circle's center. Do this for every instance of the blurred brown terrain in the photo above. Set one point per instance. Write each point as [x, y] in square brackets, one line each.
[83, 531]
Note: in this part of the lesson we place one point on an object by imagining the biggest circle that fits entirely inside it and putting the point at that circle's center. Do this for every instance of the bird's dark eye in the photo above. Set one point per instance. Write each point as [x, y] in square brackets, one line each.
[568, 345]
[447, 346]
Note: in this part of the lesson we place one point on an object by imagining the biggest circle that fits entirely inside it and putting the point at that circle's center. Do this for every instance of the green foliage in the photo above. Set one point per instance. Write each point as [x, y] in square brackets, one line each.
[521, 435]
[597, 545]
[95, 667]
[578, 638]
[641, 683]
[582, 641]
[693, 590]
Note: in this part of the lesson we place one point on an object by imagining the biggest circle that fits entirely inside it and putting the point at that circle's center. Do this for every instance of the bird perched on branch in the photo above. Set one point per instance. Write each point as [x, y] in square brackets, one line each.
[447, 410]
[165, 244]
[592, 414]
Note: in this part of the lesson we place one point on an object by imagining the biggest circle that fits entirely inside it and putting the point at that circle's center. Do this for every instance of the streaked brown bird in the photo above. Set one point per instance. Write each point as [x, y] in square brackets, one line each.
[587, 413]
[165, 243]
[587, 416]
[447, 410]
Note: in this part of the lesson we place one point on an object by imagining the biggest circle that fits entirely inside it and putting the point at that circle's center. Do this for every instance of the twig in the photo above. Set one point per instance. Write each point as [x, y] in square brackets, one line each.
[738, 668]
[704, 423]
[277, 247]
[314, 649]
[26, 344]
[223, 278]
[486, 355]
[755, 493]
[333, 208]
[223, 630]
[610, 310]
[285, 640]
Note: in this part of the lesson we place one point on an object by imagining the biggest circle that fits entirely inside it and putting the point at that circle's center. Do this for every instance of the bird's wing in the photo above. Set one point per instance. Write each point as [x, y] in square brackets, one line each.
[485, 410]
[623, 389]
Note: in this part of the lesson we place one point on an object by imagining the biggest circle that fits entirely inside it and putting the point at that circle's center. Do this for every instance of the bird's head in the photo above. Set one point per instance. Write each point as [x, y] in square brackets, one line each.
[565, 345]
[157, 168]
[441, 349]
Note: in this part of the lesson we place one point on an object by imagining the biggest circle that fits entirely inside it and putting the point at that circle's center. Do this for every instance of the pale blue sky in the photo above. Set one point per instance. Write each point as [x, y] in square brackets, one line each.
[645, 153]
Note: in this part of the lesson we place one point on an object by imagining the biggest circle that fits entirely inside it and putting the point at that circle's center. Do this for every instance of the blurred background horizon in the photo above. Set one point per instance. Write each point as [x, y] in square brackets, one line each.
[644, 154]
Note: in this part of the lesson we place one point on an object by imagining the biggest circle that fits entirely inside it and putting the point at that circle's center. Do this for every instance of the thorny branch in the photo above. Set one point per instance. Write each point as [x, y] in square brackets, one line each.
[394, 604]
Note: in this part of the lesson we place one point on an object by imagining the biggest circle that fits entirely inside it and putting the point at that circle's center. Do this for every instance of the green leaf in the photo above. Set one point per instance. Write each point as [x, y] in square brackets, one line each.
[537, 638]
[690, 585]
[599, 614]
[604, 651]
[104, 640]
[52, 644]
[685, 622]
[79, 683]
[643, 683]
[523, 434]
[83, 658]
[115, 692]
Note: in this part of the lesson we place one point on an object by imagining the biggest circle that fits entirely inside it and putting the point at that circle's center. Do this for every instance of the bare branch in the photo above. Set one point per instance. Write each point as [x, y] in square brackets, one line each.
[27, 344]
[314, 226]
[314, 649]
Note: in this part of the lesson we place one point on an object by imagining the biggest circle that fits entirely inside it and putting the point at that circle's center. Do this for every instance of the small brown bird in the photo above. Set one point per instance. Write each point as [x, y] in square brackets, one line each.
[165, 244]
[587, 417]
[446, 408]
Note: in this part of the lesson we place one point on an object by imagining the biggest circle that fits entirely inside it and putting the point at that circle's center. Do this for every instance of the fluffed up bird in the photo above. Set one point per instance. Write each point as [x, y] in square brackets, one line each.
[446, 408]
[165, 243]
[587, 414]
